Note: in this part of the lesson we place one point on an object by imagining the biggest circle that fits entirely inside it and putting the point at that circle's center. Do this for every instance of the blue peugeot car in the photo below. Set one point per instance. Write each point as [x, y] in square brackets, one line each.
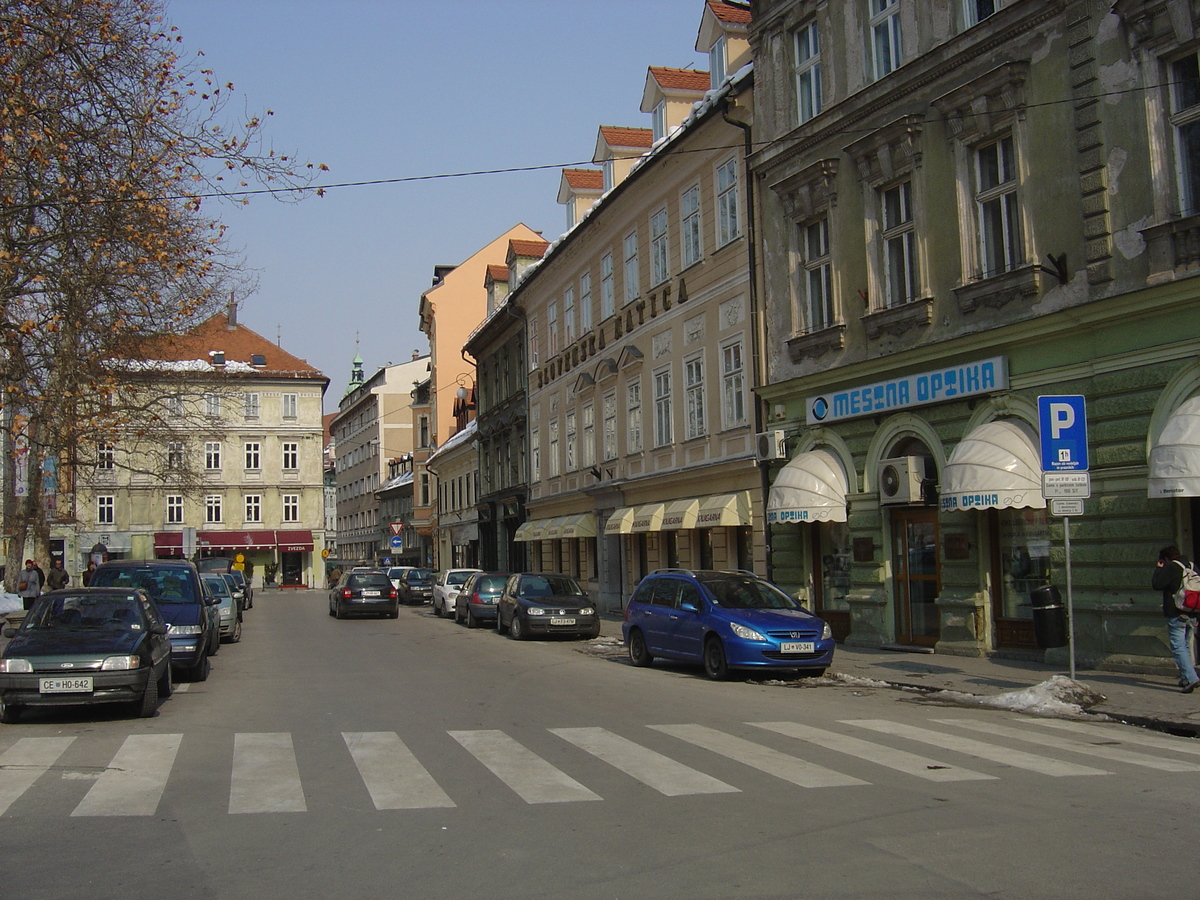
[724, 620]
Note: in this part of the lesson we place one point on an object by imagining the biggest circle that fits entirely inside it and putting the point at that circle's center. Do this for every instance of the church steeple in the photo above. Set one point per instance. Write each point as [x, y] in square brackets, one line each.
[356, 374]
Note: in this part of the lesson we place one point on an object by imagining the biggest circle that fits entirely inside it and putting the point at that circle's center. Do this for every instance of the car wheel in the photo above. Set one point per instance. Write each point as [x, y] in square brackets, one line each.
[149, 701]
[237, 633]
[337, 610]
[500, 628]
[331, 609]
[395, 613]
[201, 669]
[10, 714]
[639, 653]
[472, 622]
[517, 630]
[214, 647]
[715, 666]
[166, 684]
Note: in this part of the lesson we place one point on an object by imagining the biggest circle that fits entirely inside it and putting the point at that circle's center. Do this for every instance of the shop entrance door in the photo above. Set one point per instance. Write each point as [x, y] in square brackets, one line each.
[916, 570]
[293, 568]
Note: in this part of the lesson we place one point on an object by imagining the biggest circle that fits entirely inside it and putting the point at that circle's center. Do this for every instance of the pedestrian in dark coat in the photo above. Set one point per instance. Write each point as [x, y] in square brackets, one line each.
[58, 577]
[1181, 627]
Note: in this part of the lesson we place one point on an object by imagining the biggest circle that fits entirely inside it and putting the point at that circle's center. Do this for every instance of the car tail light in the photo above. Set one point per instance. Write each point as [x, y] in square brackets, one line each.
[347, 593]
[475, 598]
[392, 594]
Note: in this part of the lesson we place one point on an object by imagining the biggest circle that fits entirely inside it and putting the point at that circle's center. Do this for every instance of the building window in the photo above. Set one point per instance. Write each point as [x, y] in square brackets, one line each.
[291, 456]
[212, 455]
[552, 328]
[662, 408]
[588, 446]
[253, 455]
[291, 507]
[899, 245]
[808, 72]
[716, 62]
[1185, 118]
[423, 496]
[658, 120]
[607, 297]
[106, 457]
[733, 383]
[105, 510]
[250, 406]
[174, 509]
[533, 342]
[535, 455]
[728, 226]
[996, 201]
[631, 267]
[660, 267]
[689, 214]
[693, 392]
[978, 10]
[610, 426]
[818, 275]
[423, 434]
[553, 448]
[885, 36]
[610, 177]
[633, 416]
[174, 455]
[175, 407]
[585, 302]
[569, 315]
[570, 440]
[212, 508]
[253, 507]
[289, 406]
[212, 405]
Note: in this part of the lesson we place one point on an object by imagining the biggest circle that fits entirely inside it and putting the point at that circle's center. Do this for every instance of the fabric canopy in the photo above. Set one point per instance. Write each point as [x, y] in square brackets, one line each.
[810, 488]
[620, 522]
[996, 466]
[680, 514]
[648, 517]
[724, 510]
[238, 540]
[581, 525]
[531, 530]
[1175, 456]
[294, 541]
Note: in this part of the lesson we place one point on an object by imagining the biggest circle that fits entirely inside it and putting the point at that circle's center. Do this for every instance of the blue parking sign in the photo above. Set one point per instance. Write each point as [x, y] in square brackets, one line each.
[1063, 424]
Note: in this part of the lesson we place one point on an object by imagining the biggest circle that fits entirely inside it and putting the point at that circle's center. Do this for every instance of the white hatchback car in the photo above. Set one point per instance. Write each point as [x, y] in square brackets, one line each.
[445, 589]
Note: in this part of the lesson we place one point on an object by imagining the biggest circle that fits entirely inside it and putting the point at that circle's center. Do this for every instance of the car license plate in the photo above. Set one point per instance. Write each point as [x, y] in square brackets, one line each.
[80, 684]
[797, 647]
[558, 621]
[371, 593]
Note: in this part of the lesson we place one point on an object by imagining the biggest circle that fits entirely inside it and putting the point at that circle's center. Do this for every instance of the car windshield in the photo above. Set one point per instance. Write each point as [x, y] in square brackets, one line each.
[420, 576]
[742, 592]
[396, 573]
[164, 584]
[491, 584]
[217, 585]
[106, 612]
[457, 577]
[534, 586]
[239, 577]
[368, 580]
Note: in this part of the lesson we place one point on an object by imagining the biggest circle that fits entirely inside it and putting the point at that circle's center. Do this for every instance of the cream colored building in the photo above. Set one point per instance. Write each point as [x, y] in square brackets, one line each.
[250, 440]
[642, 345]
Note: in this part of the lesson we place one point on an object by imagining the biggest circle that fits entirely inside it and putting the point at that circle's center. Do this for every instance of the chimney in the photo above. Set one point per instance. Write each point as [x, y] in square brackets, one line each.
[232, 314]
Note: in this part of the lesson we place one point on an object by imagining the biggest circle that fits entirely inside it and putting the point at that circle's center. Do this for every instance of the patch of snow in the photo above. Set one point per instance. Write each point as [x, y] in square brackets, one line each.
[1057, 696]
[10, 603]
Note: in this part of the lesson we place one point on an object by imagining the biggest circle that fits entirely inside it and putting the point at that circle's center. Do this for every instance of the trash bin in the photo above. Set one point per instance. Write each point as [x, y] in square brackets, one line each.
[1049, 617]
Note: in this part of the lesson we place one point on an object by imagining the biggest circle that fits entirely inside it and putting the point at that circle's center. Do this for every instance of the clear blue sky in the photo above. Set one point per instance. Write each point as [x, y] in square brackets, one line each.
[380, 89]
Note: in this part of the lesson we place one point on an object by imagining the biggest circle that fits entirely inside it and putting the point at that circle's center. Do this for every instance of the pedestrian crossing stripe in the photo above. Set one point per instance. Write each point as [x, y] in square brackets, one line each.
[265, 777]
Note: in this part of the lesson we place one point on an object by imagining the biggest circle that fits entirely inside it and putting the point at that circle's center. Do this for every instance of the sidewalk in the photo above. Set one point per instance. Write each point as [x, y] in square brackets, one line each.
[1153, 701]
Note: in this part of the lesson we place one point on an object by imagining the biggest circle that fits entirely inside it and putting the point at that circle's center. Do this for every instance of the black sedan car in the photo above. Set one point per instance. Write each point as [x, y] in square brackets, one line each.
[476, 602]
[416, 587]
[84, 646]
[536, 604]
[360, 593]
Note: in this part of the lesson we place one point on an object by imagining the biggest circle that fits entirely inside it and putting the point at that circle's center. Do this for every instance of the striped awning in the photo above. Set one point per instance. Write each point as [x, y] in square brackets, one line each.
[810, 488]
[996, 466]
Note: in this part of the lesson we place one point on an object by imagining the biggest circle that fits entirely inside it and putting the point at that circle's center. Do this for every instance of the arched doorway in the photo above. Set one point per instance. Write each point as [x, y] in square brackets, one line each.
[916, 563]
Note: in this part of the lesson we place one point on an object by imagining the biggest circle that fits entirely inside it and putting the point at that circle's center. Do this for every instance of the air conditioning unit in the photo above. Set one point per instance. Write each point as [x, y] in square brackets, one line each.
[770, 445]
[900, 480]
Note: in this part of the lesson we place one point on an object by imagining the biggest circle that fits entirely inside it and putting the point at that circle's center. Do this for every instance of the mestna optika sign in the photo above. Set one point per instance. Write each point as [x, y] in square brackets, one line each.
[984, 376]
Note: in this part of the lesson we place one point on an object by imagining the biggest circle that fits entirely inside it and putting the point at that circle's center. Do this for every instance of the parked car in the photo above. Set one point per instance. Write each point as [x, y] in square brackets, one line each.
[359, 593]
[395, 573]
[235, 588]
[229, 613]
[240, 576]
[85, 646]
[446, 586]
[724, 620]
[188, 608]
[533, 604]
[416, 586]
[476, 602]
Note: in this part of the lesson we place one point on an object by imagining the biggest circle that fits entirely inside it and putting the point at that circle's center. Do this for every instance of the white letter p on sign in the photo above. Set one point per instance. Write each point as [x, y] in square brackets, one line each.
[1062, 417]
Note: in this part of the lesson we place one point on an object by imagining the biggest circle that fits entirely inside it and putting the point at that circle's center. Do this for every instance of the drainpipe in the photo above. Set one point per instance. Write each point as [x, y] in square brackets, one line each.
[756, 336]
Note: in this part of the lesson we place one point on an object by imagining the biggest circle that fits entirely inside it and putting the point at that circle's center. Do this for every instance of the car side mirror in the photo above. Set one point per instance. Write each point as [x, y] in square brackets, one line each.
[10, 632]
[159, 628]
[212, 600]
[689, 606]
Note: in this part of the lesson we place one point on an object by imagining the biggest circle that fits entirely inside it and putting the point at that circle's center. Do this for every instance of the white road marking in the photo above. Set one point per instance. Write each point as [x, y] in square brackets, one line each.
[265, 776]
[533, 779]
[180, 688]
[134, 781]
[1049, 740]
[25, 762]
[393, 776]
[662, 773]
[1126, 734]
[765, 759]
[1018, 759]
[900, 760]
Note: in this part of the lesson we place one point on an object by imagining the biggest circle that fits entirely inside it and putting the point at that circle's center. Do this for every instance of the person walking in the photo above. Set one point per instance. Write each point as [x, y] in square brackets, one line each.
[58, 577]
[1181, 628]
[89, 572]
[29, 584]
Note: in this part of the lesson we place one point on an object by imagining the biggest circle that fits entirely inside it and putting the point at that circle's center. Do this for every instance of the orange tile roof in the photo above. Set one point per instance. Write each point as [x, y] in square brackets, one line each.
[497, 272]
[616, 136]
[535, 249]
[239, 344]
[681, 79]
[585, 179]
[734, 13]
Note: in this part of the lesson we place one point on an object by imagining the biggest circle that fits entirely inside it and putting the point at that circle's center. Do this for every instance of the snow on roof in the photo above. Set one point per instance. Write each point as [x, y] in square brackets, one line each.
[456, 441]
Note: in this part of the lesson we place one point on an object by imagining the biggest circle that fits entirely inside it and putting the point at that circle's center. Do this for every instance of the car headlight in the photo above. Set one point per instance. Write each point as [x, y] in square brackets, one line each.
[587, 611]
[184, 629]
[746, 634]
[826, 632]
[120, 663]
[535, 611]
[15, 666]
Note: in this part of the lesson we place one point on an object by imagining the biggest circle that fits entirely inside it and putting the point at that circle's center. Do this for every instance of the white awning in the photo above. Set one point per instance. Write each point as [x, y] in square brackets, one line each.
[1175, 456]
[996, 466]
[648, 517]
[680, 514]
[810, 488]
[620, 522]
[724, 510]
[581, 525]
[531, 530]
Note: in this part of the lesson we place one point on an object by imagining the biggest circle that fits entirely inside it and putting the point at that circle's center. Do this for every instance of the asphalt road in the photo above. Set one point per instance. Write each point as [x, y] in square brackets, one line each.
[416, 758]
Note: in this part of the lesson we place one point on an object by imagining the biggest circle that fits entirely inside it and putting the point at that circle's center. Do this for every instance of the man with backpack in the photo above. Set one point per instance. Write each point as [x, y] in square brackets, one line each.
[1181, 626]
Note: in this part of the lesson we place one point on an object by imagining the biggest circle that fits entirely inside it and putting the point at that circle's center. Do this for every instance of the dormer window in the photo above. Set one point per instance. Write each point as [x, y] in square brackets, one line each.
[716, 62]
[659, 120]
[609, 178]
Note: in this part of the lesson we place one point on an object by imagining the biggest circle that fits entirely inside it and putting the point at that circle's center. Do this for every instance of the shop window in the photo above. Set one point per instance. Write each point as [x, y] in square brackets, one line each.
[834, 552]
[1024, 559]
